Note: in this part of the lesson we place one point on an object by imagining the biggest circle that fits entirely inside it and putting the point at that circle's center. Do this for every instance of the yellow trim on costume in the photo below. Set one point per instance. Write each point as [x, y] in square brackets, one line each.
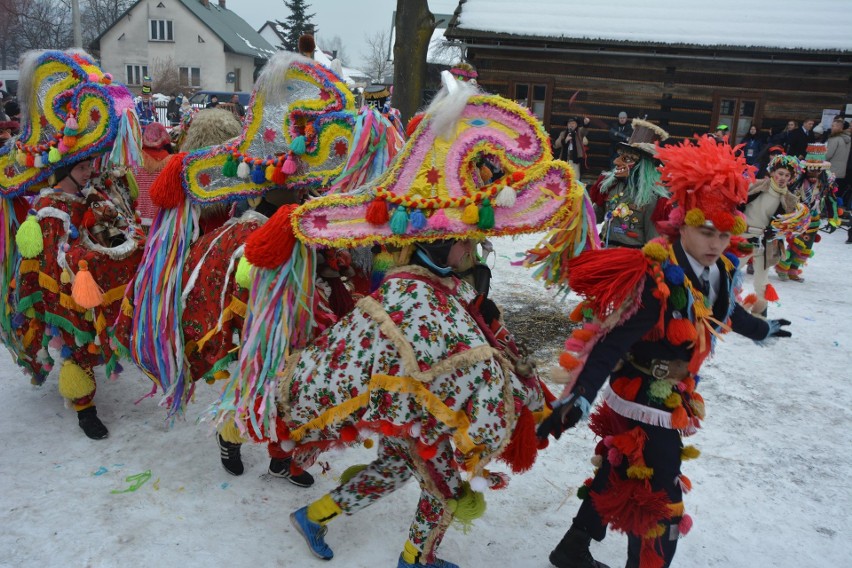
[127, 308]
[100, 323]
[29, 336]
[48, 283]
[330, 416]
[30, 265]
[67, 302]
[235, 308]
[114, 294]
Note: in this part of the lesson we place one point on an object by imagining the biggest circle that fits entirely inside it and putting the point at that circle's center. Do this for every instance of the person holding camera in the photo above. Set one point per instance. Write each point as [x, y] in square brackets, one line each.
[571, 143]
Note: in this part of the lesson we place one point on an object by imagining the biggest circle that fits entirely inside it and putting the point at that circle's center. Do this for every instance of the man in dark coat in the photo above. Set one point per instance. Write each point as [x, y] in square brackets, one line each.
[798, 139]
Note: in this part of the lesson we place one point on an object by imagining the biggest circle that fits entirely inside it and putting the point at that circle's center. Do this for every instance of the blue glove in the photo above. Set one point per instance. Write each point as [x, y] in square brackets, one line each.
[566, 413]
[775, 329]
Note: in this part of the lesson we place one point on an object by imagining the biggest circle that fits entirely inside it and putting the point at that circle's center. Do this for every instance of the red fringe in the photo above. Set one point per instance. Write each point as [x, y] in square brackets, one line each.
[606, 422]
[648, 557]
[631, 506]
[413, 124]
[607, 277]
[272, 244]
[521, 452]
[167, 189]
[377, 212]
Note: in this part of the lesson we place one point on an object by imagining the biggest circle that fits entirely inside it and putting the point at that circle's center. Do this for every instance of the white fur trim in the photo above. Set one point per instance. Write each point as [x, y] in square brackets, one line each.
[642, 413]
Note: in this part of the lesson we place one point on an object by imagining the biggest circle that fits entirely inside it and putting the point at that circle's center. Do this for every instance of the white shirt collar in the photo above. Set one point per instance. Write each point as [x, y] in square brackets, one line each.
[715, 277]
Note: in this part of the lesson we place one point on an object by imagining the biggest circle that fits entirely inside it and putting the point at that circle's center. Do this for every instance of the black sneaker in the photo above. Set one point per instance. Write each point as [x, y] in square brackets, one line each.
[281, 468]
[229, 452]
[91, 424]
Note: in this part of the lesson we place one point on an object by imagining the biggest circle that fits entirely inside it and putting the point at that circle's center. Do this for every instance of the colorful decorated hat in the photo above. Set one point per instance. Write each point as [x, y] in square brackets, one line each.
[437, 189]
[464, 72]
[791, 163]
[708, 182]
[645, 137]
[297, 134]
[815, 157]
[71, 111]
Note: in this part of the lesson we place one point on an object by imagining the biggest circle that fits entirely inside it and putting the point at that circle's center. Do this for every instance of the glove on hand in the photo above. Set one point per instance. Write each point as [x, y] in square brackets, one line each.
[775, 328]
[566, 414]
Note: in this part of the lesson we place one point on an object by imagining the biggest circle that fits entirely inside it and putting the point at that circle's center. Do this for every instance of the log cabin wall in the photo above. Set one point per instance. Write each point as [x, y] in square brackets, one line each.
[686, 91]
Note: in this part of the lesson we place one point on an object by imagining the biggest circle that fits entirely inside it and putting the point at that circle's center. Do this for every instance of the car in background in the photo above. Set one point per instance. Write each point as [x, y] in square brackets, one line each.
[9, 81]
[202, 98]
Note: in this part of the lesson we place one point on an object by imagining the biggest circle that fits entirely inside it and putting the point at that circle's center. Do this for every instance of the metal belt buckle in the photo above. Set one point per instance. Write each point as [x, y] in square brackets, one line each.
[659, 369]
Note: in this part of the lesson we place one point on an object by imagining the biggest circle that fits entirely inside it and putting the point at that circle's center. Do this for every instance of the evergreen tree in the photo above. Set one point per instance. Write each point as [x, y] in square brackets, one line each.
[296, 24]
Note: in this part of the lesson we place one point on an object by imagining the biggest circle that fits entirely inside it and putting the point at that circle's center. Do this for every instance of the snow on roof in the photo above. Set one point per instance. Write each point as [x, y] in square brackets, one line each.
[787, 24]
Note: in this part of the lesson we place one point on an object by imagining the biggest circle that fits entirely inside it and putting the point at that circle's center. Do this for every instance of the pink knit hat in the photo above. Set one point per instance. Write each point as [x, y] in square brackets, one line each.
[155, 135]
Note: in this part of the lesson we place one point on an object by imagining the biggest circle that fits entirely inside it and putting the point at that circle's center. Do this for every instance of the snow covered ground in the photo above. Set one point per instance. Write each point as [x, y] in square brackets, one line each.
[771, 487]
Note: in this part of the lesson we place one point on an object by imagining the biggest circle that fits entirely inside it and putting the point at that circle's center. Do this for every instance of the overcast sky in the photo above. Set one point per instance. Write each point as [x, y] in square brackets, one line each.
[352, 20]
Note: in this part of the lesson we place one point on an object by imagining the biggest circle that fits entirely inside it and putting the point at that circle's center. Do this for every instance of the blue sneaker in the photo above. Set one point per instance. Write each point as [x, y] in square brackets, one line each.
[438, 563]
[314, 533]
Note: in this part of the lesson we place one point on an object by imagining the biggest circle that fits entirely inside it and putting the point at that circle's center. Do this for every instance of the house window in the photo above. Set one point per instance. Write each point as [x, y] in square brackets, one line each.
[535, 96]
[161, 30]
[738, 114]
[190, 76]
[135, 73]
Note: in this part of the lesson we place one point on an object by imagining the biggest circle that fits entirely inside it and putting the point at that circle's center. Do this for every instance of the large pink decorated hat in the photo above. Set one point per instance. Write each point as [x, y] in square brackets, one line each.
[70, 110]
[440, 186]
[297, 134]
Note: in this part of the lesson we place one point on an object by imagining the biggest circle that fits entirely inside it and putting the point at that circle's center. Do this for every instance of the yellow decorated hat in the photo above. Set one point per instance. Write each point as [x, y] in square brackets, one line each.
[476, 166]
[71, 111]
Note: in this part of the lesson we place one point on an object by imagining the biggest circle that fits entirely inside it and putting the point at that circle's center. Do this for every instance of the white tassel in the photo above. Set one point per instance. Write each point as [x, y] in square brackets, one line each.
[39, 163]
[506, 197]
[243, 170]
[478, 484]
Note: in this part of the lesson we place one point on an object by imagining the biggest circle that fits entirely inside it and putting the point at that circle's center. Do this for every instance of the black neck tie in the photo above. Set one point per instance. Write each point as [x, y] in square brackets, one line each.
[705, 281]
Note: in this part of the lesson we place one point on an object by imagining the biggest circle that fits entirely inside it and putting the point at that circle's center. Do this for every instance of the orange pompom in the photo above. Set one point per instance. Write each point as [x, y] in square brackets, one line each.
[680, 331]
[770, 294]
[568, 361]
[85, 290]
[577, 313]
[750, 300]
[167, 189]
[688, 384]
[680, 419]
[271, 246]
[582, 334]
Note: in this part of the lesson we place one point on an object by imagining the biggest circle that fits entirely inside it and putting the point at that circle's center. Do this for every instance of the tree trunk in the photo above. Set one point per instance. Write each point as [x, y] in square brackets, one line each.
[414, 27]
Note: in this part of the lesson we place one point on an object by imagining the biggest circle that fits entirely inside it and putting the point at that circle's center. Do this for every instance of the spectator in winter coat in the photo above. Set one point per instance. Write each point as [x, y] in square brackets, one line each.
[570, 144]
[798, 139]
[754, 143]
[214, 102]
[838, 144]
[239, 110]
[173, 110]
[620, 132]
[8, 128]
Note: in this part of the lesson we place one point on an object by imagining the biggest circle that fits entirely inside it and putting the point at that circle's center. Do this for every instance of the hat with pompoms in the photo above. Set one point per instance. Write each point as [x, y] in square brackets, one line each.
[439, 188]
[707, 181]
[791, 163]
[70, 111]
[815, 157]
[297, 134]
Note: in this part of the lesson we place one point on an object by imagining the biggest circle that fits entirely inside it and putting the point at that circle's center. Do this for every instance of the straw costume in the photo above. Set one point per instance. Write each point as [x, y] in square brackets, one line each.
[424, 362]
[815, 190]
[651, 317]
[77, 250]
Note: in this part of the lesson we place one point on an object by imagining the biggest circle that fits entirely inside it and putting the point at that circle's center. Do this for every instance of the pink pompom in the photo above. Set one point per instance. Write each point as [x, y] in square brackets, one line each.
[62, 148]
[47, 367]
[677, 216]
[113, 376]
[289, 166]
[572, 344]
[55, 343]
[93, 78]
[614, 457]
[607, 441]
[439, 221]
[685, 525]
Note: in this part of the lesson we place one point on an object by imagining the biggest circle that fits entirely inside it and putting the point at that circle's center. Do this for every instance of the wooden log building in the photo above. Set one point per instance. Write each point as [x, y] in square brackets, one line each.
[522, 51]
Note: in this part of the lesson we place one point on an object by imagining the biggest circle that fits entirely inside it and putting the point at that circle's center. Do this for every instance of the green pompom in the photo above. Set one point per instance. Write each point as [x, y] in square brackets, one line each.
[132, 186]
[54, 156]
[583, 492]
[351, 472]
[399, 221]
[297, 146]
[243, 276]
[678, 297]
[659, 391]
[468, 507]
[230, 167]
[486, 215]
[29, 238]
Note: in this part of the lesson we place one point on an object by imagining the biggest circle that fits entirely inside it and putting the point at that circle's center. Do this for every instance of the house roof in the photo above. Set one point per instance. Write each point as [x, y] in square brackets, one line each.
[276, 28]
[782, 24]
[235, 33]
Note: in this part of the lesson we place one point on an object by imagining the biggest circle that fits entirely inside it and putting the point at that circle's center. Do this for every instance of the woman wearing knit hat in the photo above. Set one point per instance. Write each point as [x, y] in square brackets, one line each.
[658, 311]
[156, 149]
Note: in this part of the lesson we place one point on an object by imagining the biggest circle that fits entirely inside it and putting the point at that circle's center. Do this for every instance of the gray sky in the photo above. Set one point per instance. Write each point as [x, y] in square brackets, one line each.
[352, 20]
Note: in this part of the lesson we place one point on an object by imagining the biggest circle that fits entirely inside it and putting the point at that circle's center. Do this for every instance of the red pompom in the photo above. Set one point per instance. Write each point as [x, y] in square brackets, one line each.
[377, 212]
[770, 294]
[88, 220]
[521, 452]
[167, 189]
[349, 433]
[628, 389]
[271, 246]
[631, 506]
[425, 451]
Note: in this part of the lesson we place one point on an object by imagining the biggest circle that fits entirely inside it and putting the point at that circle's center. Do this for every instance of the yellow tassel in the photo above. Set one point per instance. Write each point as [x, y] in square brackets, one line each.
[655, 532]
[65, 277]
[230, 433]
[676, 509]
[74, 381]
[470, 216]
[673, 400]
[640, 472]
[29, 238]
[221, 375]
[655, 251]
[85, 290]
[689, 453]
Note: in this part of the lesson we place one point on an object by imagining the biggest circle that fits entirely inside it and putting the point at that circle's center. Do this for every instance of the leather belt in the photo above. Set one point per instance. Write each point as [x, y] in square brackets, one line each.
[666, 370]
